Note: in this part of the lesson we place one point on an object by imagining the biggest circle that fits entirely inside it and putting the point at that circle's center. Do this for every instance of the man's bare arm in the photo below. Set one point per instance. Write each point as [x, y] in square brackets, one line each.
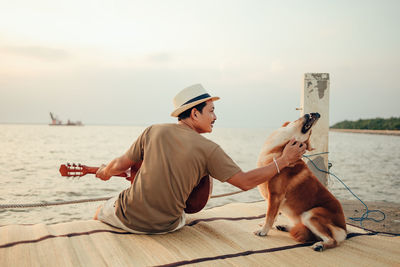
[247, 180]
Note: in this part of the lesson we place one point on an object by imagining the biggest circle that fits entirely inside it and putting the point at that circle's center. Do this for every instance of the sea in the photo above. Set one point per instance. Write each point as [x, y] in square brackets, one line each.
[30, 157]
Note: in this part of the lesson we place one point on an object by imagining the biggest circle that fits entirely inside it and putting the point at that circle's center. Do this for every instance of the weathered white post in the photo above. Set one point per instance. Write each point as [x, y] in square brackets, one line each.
[315, 98]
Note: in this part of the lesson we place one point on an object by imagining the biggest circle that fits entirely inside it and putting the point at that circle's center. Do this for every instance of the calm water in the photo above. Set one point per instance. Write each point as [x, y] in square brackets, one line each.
[30, 156]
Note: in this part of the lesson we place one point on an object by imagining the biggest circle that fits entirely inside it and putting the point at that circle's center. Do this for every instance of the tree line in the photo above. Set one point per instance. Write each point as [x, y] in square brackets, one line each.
[370, 124]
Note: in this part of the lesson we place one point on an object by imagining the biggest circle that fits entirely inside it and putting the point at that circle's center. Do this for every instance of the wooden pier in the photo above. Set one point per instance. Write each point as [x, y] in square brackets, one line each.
[220, 236]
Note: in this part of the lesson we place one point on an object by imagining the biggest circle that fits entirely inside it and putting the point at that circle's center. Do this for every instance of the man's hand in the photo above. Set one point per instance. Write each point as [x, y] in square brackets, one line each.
[101, 173]
[115, 167]
[293, 152]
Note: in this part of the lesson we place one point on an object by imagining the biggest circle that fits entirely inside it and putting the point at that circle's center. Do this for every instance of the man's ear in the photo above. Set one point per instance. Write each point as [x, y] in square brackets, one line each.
[285, 124]
[193, 113]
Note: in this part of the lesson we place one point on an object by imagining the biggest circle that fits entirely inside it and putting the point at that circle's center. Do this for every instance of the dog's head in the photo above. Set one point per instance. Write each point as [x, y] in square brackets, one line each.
[299, 129]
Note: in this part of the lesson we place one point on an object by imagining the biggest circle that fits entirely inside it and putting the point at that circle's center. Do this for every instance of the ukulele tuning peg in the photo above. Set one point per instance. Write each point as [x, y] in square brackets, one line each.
[73, 165]
[68, 164]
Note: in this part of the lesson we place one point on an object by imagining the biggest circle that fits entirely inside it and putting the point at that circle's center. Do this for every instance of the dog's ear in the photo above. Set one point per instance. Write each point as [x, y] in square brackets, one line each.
[285, 124]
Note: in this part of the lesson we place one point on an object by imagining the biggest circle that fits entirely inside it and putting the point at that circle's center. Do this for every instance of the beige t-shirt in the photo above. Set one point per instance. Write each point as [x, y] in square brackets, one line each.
[175, 158]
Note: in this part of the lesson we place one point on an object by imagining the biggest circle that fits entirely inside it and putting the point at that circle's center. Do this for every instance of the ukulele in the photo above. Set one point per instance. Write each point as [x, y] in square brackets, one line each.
[196, 201]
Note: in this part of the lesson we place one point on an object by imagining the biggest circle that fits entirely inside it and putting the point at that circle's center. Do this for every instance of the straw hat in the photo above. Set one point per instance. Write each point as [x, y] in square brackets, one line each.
[190, 97]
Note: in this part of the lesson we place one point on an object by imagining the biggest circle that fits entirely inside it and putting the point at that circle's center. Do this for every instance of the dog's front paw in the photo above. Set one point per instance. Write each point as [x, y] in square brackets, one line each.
[261, 232]
[318, 247]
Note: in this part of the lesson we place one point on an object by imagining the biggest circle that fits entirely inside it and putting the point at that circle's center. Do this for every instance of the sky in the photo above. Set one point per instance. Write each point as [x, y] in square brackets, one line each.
[122, 62]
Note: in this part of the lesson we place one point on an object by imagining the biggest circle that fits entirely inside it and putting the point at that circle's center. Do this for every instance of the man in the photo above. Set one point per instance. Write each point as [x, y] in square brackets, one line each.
[174, 158]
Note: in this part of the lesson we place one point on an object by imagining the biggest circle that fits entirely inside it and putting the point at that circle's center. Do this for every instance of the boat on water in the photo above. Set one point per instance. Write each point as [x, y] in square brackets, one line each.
[56, 122]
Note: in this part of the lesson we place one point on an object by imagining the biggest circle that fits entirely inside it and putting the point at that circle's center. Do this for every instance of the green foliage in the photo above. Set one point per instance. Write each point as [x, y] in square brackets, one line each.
[370, 124]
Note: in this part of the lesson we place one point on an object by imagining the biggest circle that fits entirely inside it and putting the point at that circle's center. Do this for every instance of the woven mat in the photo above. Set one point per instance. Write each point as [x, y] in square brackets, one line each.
[220, 236]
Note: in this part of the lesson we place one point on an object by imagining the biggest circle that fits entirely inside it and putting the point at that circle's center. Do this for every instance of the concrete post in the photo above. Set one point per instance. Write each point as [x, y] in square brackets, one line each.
[315, 98]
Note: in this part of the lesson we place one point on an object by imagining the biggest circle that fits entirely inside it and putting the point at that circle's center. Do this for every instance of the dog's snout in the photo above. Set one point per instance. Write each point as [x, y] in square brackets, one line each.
[316, 114]
[309, 121]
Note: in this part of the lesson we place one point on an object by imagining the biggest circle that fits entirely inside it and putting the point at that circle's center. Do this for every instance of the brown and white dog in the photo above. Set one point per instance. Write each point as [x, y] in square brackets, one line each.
[315, 213]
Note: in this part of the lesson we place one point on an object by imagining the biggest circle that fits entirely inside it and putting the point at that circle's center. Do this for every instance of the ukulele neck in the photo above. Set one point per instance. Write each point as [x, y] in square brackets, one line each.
[92, 170]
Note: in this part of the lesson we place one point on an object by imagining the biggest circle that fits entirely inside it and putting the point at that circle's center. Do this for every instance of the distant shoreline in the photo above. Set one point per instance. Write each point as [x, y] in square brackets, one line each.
[383, 132]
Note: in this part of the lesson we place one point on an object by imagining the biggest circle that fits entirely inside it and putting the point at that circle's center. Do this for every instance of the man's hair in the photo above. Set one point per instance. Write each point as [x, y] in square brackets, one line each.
[186, 113]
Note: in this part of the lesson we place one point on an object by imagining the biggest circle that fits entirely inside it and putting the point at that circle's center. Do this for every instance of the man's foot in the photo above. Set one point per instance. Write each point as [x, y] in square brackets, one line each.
[97, 213]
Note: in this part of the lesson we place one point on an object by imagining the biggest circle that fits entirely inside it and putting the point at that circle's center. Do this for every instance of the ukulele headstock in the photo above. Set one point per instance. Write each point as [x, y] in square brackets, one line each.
[73, 170]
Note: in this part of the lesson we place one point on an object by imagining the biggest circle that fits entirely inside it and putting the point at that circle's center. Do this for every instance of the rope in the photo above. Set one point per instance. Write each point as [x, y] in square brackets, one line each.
[46, 204]
[227, 194]
[365, 215]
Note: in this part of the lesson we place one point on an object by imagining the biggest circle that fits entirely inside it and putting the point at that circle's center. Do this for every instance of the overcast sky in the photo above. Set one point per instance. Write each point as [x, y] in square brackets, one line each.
[122, 62]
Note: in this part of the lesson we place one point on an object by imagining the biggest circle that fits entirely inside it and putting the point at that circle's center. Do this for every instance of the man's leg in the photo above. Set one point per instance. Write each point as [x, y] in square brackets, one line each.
[106, 214]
